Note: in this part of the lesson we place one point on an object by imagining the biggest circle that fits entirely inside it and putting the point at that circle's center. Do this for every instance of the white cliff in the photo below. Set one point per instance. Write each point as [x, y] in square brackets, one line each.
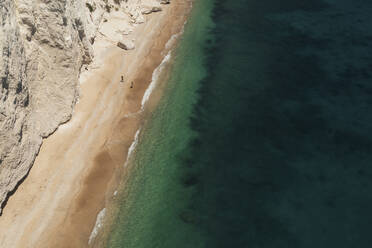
[44, 44]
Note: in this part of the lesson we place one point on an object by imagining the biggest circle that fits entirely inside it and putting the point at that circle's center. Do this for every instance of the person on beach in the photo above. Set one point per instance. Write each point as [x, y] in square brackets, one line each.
[122, 79]
[131, 84]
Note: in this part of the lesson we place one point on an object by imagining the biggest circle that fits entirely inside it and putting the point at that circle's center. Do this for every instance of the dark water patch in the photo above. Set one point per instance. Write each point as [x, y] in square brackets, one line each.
[279, 151]
[284, 122]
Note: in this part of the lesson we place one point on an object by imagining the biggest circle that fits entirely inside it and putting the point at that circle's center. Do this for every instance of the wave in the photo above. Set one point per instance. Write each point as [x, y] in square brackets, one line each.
[98, 225]
[174, 37]
[159, 69]
[154, 79]
[133, 145]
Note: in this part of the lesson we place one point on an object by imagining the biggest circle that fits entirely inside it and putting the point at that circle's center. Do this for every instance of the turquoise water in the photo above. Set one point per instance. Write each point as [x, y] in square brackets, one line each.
[153, 212]
[263, 138]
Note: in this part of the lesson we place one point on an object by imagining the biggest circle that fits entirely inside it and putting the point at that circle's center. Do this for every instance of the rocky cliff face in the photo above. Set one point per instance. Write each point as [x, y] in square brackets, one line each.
[43, 45]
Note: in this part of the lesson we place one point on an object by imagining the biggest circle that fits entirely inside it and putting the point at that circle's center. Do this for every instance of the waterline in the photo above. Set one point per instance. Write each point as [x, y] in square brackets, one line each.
[132, 146]
[155, 76]
[98, 225]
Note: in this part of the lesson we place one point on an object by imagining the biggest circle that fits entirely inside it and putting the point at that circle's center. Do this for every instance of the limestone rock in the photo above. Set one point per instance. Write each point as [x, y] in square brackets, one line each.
[126, 44]
[146, 11]
[164, 1]
[43, 45]
[136, 15]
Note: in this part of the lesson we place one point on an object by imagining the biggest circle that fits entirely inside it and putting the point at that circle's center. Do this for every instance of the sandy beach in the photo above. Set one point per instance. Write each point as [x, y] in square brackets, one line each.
[79, 166]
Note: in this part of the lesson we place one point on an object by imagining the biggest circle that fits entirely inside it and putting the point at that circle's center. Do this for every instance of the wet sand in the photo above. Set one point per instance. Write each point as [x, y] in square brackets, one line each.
[79, 166]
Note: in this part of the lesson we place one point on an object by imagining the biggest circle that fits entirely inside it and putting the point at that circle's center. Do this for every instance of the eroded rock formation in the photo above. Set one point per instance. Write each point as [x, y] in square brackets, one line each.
[43, 46]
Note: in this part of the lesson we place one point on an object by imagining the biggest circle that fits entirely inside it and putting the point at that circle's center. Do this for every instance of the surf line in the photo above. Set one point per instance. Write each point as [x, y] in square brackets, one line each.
[155, 77]
[157, 72]
[98, 225]
[132, 146]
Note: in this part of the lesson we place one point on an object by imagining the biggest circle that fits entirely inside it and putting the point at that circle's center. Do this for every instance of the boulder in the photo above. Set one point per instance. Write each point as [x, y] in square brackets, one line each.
[164, 1]
[146, 11]
[126, 45]
[136, 15]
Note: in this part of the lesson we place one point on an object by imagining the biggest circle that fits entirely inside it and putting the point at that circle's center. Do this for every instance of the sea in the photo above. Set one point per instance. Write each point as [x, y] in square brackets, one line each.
[263, 135]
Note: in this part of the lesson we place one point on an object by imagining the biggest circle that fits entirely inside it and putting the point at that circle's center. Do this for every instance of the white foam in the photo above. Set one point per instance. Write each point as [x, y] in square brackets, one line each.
[133, 145]
[154, 79]
[159, 69]
[98, 225]
[174, 37]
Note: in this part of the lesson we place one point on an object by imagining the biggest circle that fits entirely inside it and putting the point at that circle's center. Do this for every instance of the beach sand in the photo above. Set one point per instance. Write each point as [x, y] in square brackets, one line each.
[80, 165]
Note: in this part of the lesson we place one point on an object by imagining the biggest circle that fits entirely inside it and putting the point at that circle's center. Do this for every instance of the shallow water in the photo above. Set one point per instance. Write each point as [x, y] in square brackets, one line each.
[264, 135]
[154, 199]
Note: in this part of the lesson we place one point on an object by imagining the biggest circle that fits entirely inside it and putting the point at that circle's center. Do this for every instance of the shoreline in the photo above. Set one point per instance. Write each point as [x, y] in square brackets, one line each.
[150, 100]
[151, 97]
[78, 166]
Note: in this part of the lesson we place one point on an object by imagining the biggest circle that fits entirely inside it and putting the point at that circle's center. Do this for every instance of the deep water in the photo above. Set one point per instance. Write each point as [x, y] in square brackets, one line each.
[269, 144]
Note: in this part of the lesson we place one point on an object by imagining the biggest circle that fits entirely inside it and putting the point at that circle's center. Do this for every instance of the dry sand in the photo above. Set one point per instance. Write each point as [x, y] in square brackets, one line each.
[78, 167]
